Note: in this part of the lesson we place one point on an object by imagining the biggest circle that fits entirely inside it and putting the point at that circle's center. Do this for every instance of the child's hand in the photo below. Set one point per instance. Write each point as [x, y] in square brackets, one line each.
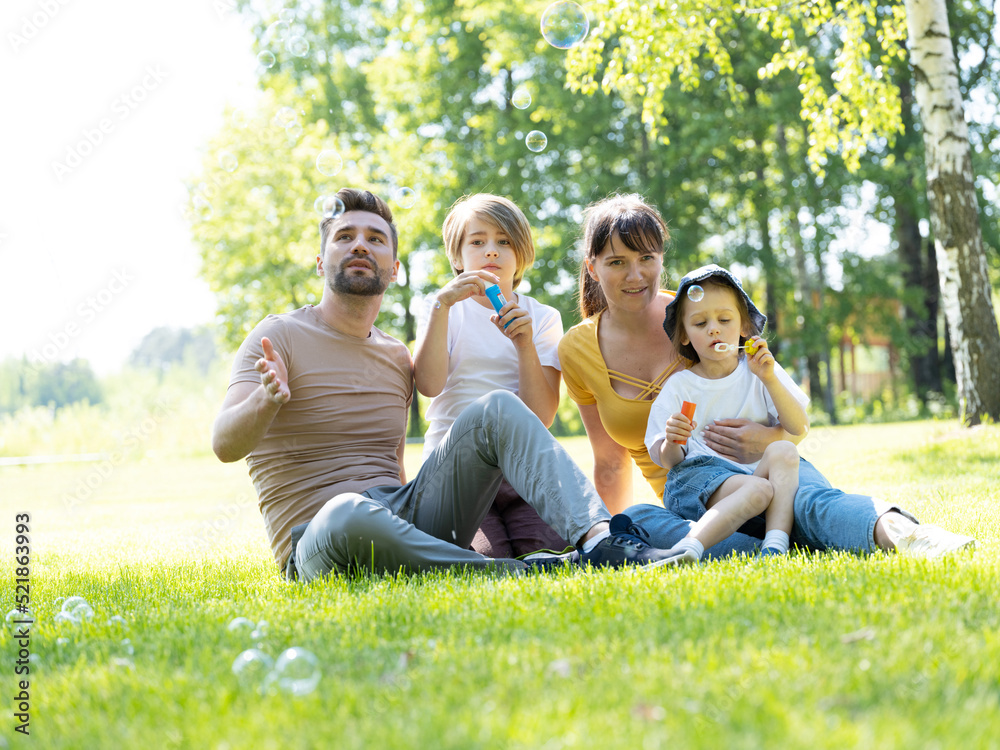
[467, 284]
[514, 322]
[762, 362]
[679, 428]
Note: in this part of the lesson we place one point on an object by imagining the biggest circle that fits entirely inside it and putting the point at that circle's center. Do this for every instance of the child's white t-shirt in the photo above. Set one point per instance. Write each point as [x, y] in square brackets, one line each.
[482, 359]
[741, 394]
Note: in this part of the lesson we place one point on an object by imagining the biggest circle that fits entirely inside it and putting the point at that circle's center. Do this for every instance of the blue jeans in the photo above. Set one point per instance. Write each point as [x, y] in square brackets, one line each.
[430, 521]
[825, 519]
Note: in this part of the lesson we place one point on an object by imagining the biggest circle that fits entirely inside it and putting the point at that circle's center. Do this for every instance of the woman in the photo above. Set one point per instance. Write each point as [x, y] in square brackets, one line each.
[614, 365]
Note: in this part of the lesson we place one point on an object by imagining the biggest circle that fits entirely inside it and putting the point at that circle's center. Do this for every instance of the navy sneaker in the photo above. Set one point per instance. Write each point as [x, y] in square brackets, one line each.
[625, 546]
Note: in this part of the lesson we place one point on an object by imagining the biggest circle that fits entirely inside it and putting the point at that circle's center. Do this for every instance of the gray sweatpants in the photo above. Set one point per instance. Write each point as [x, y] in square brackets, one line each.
[430, 521]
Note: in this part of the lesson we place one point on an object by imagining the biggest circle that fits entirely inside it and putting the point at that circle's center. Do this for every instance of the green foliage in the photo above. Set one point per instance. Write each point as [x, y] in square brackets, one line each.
[164, 348]
[815, 650]
[644, 49]
[49, 385]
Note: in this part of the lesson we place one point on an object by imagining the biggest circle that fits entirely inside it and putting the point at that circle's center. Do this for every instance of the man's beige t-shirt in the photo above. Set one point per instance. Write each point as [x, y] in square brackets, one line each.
[340, 430]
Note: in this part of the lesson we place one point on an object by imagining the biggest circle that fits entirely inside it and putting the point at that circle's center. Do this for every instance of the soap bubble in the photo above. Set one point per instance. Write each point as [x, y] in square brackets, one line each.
[266, 58]
[329, 206]
[536, 141]
[329, 162]
[293, 131]
[696, 293]
[16, 615]
[252, 666]
[406, 197]
[277, 31]
[564, 24]
[77, 608]
[117, 621]
[240, 624]
[228, 161]
[297, 46]
[201, 209]
[285, 117]
[521, 98]
[64, 618]
[296, 671]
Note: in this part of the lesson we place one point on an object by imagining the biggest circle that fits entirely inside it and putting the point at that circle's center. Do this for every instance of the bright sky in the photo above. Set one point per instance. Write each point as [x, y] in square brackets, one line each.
[107, 104]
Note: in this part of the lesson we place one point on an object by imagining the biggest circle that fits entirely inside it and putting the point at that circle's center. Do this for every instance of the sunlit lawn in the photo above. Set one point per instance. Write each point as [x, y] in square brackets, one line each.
[813, 651]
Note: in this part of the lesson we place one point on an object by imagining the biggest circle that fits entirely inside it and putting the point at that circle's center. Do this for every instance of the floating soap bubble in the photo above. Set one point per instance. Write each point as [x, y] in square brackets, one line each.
[252, 667]
[696, 293]
[296, 671]
[17, 619]
[263, 627]
[329, 162]
[64, 618]
[78, 608]
[536, 141]
[294, 130]
[277, 31]
[521, 98]
[329, 206]
[406, 197]
[117, 621]
[240, 625]
[266, 58]
[201, 209]
[285, 117]
[297, 46]
[228, 161]
[564, 24]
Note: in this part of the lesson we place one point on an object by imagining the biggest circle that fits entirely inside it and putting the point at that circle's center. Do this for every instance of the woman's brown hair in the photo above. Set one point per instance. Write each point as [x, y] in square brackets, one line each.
[638, 224]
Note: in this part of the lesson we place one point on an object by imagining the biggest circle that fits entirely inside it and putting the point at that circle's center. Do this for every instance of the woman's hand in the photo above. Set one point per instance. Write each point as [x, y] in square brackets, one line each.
[742, 440]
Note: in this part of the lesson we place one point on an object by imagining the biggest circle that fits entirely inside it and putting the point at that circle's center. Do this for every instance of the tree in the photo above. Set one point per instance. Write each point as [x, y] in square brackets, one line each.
[165, 347]
[951, 192]
[643, 48]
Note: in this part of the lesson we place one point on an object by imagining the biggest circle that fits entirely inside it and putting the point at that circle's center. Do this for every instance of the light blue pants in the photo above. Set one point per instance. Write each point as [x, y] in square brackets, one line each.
[430, 521]
[825, 519]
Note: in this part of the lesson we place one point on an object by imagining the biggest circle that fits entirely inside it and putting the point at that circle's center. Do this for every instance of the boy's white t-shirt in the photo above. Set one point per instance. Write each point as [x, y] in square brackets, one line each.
[741, 394]
[482, 359]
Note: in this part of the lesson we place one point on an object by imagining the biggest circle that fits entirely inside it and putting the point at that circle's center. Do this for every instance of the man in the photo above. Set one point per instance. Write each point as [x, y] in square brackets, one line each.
[317, 402]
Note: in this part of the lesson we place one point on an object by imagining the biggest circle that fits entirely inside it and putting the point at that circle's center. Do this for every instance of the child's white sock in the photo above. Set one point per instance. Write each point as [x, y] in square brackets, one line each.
[589, 545]
[689, 543]
[776, 540]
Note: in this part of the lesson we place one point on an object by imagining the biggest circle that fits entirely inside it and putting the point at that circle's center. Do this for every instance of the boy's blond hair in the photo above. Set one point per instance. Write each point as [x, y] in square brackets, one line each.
[501, 213]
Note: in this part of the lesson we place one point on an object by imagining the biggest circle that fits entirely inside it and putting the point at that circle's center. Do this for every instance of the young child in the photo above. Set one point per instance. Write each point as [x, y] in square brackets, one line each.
[465, 350]
[713, 322]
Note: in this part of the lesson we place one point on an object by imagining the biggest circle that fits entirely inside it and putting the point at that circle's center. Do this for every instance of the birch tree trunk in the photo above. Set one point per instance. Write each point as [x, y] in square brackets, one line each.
[965, 287]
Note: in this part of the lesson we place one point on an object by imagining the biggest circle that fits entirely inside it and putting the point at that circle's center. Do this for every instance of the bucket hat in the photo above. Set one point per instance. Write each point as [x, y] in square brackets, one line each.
[696, 277]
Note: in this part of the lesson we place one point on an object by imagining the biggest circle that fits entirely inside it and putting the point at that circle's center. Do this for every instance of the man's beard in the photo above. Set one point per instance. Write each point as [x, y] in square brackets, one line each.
[359, 286]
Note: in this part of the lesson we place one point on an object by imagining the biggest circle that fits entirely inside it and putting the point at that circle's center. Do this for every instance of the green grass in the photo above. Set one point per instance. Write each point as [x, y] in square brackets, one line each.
[812, 651]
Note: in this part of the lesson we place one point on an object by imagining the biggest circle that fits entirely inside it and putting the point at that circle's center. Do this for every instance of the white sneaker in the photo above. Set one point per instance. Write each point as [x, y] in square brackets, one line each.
[680, 557]
[927, 540]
